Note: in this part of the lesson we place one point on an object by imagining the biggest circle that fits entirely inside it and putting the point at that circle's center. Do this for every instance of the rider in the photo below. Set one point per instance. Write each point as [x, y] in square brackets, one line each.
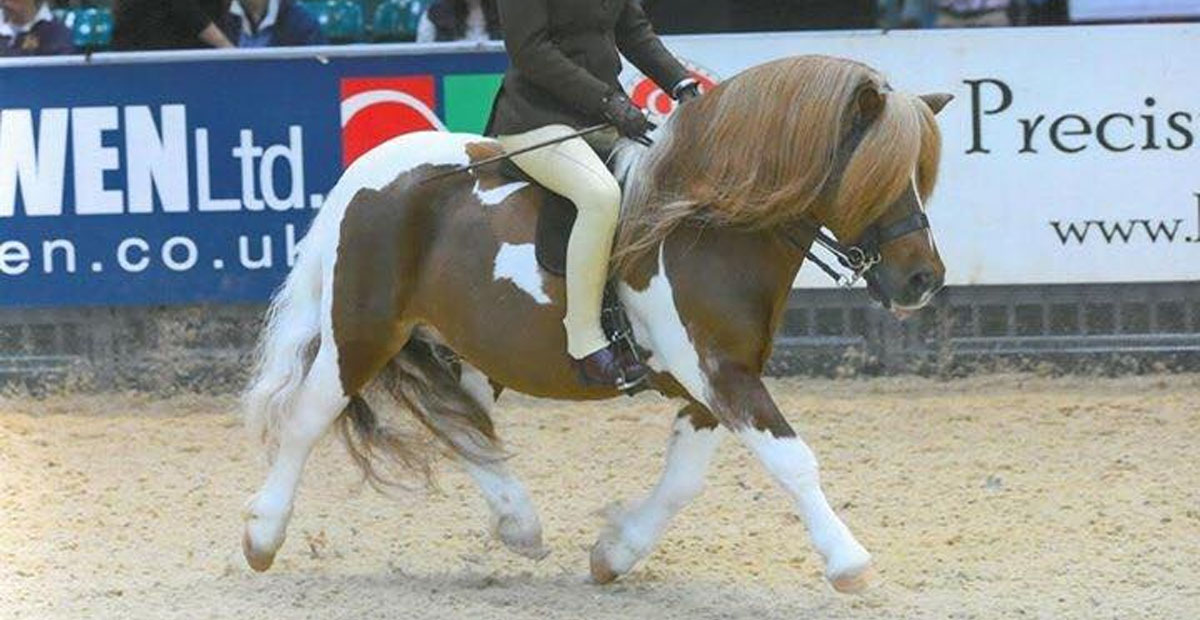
[562, 76]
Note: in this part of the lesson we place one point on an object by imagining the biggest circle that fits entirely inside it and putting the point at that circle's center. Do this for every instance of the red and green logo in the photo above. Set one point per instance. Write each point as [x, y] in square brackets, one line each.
[377, 109]
[658, 105]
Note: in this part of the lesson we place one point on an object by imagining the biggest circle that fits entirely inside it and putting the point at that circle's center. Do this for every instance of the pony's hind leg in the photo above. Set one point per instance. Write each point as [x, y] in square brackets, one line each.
[515, 520]
[632, 534]
[319, 402]
[455, 404]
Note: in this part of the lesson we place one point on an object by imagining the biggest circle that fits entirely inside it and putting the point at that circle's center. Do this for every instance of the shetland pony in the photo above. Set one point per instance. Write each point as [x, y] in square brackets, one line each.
[425, 298]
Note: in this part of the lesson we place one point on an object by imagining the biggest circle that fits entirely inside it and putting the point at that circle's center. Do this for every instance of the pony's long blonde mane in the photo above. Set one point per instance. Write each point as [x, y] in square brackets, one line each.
[762, 149]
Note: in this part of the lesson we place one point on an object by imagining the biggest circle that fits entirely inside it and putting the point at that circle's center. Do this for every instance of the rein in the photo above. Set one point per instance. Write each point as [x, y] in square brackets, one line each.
[507, 156]
[861, 257]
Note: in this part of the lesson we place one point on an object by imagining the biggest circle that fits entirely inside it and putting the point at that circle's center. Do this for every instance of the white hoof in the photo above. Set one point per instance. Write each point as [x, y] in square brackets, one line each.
[263, 536]
[851, 573]
[612, 557]
[521, 536]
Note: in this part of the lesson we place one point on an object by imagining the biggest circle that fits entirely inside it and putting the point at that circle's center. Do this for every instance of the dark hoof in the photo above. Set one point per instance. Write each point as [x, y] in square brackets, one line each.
[602, 573]
[258, 561]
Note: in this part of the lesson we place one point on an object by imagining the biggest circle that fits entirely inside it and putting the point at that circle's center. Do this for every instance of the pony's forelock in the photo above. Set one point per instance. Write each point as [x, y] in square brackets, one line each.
[903, 142]
[760, 149]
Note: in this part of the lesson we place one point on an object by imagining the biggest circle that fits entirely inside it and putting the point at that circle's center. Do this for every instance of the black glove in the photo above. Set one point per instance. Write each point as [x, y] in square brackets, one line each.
[626, 117]
[686, 90]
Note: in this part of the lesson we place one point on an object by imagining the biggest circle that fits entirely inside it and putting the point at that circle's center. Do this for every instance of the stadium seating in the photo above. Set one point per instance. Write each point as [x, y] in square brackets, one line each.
[342, 21]
[397, 20]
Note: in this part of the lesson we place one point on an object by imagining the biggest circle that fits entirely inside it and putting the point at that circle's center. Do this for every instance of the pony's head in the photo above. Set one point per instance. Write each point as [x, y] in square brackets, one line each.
[799, 141]
[890, 228]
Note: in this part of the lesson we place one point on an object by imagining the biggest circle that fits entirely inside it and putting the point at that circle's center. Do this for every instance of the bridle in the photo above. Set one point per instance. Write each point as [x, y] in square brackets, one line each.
[861, 257]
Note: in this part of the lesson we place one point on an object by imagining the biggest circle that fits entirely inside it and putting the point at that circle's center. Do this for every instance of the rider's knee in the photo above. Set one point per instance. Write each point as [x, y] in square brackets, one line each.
[602, 199]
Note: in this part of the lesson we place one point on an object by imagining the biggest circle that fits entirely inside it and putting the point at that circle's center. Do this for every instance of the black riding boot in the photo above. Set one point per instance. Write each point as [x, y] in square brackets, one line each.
[610, 367]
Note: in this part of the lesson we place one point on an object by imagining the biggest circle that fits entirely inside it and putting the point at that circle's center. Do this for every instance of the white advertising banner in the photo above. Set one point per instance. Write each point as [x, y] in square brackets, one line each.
[1111, 10]
[1070, 155]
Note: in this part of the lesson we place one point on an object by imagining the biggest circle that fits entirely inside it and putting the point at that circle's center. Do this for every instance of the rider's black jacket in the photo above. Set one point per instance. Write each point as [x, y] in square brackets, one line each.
[563, 60]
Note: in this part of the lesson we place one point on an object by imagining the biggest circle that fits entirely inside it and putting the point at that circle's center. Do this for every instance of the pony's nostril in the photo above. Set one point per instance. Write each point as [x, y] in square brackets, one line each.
[923, 281]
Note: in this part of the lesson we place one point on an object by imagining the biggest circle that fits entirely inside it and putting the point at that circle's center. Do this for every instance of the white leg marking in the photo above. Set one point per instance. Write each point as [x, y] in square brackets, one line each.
[518, 263]
[633, 534]
[320, 402]
[658, 327]
[495, 196]
[792, 464]
[514, 519]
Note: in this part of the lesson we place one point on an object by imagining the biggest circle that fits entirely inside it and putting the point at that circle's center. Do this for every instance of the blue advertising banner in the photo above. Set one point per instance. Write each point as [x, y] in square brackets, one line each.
[192, 180]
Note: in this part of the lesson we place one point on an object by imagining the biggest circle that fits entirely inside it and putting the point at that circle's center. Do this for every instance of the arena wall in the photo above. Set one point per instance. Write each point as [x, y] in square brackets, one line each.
[145, 218]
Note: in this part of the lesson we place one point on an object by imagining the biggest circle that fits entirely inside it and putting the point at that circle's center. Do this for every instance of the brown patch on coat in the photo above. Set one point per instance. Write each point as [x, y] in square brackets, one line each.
[368, 285]
[699, 416]
[479, 151]
[382, 239]
[488, 176]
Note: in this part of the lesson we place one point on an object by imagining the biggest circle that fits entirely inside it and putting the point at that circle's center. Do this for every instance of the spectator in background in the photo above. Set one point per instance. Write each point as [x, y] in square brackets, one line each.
[777, 15]
[271, 23]
[909, 14]
[169, 24]
[459, 20]
[972, 13]
[27, 28]
[688, 16]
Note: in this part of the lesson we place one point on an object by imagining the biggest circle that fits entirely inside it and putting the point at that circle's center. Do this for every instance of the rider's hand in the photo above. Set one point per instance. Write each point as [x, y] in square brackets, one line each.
[630, 121]
[686, 90]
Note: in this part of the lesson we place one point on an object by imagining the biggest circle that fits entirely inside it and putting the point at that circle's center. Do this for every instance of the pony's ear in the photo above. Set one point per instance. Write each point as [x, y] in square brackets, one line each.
[937, 101]
[870, 101]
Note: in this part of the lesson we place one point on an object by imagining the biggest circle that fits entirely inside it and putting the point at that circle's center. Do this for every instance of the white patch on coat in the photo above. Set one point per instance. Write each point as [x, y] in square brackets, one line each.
[496, 195]
[518, 264]
[794, 467]
[658, 327]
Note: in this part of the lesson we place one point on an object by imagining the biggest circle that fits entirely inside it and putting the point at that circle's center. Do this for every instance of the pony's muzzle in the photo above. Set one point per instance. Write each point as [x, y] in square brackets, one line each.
[922, 285]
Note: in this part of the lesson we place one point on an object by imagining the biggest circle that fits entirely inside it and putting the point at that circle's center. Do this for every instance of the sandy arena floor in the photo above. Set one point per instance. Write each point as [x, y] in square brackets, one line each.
[994, 497]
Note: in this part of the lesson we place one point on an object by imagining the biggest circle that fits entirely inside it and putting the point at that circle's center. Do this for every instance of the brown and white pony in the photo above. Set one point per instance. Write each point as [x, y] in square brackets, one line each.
[719, 213]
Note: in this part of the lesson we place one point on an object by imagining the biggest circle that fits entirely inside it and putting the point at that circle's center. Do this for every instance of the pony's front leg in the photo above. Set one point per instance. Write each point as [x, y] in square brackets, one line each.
[633, 533]
[749, 410]
[319, 402]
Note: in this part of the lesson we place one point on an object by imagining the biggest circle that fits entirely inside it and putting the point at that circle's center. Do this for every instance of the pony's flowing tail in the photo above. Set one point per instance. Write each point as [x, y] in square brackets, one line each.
[416, 386]
[285, 351]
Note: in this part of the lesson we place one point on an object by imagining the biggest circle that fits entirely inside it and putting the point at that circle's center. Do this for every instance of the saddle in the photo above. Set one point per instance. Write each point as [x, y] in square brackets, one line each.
[555, 219]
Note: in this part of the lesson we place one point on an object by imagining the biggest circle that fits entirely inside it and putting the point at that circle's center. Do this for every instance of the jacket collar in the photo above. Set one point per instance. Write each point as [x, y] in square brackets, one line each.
[12, 30]
[268, 20]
